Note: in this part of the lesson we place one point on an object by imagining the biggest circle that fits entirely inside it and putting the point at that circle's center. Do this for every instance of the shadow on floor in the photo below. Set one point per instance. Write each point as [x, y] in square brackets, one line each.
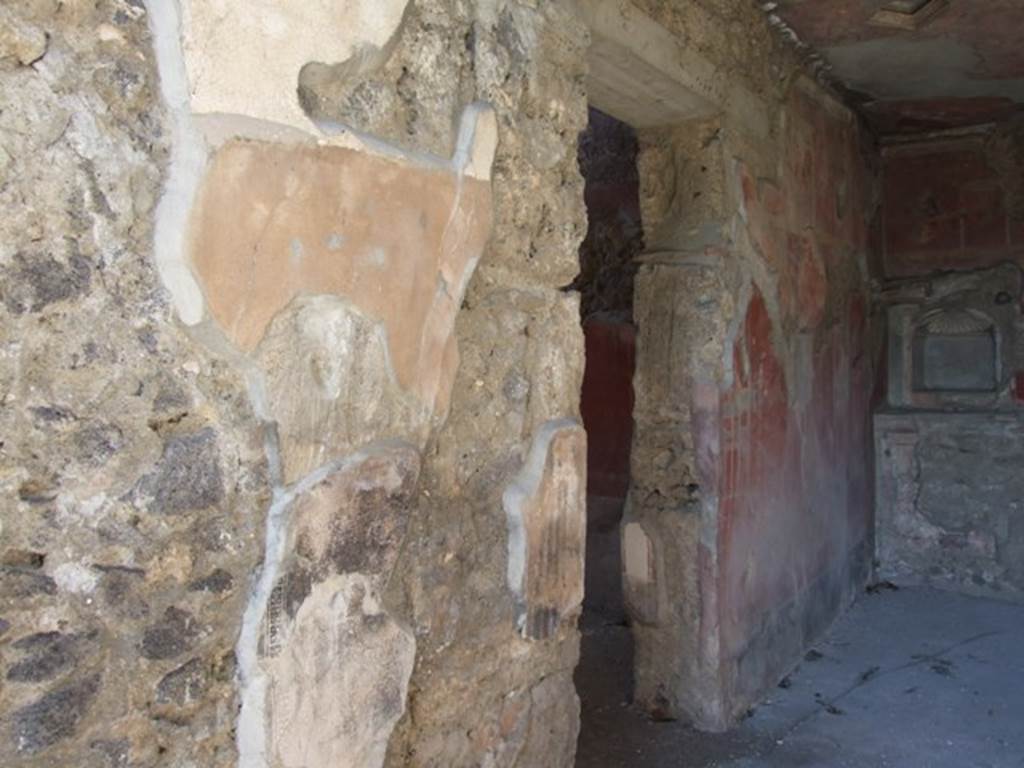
[912, 678]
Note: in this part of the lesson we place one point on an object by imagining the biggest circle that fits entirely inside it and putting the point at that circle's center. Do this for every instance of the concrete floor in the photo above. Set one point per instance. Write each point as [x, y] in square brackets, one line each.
[912, 678]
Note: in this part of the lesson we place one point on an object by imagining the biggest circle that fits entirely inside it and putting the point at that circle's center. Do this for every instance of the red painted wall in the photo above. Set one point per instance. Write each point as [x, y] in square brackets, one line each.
[607, 404]
[794, 479]
[948, 205]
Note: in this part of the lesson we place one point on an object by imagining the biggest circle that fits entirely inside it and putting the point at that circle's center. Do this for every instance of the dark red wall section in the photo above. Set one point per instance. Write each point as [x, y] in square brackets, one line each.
[795, 509]
[949, 205]
[607, 404]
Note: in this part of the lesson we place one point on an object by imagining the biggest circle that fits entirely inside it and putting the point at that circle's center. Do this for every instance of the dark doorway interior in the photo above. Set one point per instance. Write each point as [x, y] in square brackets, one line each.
[608, 162]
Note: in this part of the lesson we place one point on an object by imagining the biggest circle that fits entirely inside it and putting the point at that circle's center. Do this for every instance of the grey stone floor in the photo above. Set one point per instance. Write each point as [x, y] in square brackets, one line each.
[913, 678]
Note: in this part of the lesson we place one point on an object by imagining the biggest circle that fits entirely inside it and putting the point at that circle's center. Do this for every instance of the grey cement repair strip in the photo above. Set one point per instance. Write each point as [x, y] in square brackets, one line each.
[188, 159]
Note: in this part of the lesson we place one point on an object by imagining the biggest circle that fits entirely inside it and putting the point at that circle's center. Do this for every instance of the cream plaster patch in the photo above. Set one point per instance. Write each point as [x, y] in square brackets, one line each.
[244, 56]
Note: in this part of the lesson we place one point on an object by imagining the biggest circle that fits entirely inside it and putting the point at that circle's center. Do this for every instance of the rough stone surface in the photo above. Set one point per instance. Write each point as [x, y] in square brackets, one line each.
[479, 693]
[218, 580]
[180, 481]
[21, 40]
[44, 655]
[412, 89]
[131, 462]
[949, 509]
[183, 685]
[169, 637]
[53, 717]
[187, 477]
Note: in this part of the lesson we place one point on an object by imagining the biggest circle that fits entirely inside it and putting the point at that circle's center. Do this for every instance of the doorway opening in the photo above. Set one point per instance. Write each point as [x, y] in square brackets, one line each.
[607, 154]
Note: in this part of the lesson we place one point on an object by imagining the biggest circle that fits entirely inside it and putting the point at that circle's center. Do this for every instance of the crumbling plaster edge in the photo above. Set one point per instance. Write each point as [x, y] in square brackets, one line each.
[251, 728]
[517, 493]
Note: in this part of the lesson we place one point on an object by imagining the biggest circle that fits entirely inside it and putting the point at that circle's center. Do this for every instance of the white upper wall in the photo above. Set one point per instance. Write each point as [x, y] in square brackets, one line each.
[243, 57]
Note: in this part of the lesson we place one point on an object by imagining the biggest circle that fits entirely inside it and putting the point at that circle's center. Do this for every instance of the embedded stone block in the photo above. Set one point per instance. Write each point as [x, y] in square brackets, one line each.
[546, 510]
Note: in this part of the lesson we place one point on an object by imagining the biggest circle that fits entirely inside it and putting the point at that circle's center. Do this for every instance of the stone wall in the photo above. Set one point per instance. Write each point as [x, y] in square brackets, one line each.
[293, 467]
[949, 501]
[276, 346]
[948, 438]
[947, 461]
[133, 464]
[749, 524]
[493, 677]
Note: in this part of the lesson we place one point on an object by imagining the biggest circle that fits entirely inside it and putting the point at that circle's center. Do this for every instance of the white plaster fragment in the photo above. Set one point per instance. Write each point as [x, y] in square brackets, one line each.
[251, 725]
[254, 682]
[245, 56]
[75, 578]
[341, 683]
